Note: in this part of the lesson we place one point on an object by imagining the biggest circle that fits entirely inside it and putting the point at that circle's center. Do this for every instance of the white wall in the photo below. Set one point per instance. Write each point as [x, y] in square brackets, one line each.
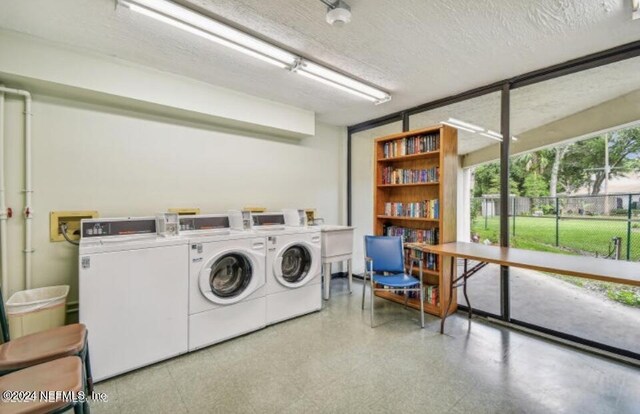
[28, 60]
[123, 163]
[362, 186]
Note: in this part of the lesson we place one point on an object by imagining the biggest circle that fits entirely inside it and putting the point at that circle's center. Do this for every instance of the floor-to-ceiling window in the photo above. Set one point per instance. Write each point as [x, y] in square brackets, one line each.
[574, 188]
[575, 178]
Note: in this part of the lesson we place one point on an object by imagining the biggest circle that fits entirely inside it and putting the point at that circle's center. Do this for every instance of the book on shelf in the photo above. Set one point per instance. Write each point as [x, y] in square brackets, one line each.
[420, 209]
[391, 175]
[429, 260]
[431, 295]
[411, 145]
[409, 235]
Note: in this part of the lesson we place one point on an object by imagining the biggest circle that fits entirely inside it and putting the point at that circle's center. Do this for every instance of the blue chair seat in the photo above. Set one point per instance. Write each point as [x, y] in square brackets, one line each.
[400, 280]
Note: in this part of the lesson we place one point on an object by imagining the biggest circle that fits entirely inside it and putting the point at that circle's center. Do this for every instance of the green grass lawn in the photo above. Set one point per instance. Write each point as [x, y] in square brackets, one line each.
[584, 236]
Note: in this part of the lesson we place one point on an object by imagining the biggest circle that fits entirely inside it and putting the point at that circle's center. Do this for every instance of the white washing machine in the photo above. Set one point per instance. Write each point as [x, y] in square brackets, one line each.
[226, 285]
[293, 268]
[133, 294]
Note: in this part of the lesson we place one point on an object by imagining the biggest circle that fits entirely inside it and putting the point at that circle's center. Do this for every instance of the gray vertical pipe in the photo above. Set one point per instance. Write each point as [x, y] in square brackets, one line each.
[349, 217]
[504, 197]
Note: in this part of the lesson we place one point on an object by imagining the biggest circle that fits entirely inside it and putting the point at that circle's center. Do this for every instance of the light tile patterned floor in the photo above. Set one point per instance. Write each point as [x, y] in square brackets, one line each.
[333, 362]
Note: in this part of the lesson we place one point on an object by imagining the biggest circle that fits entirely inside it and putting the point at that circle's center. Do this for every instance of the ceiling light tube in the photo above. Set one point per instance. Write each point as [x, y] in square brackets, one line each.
[333, 76]
[514, 138]
[200, 25]
[206, 35]
[458, 127]
[184, 18]
[491, 136]
[466, 124]
[336, 85]
[494, 133]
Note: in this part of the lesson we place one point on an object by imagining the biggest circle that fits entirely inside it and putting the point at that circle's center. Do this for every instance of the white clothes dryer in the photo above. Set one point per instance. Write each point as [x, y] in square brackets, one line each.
[293, 266]
[226, 287]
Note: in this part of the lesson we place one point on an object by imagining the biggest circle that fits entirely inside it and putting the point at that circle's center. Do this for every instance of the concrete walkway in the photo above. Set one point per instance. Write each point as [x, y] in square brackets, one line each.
[543, 300]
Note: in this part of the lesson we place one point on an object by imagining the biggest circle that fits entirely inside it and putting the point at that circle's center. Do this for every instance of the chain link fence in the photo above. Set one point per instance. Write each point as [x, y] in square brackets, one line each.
[600, 226]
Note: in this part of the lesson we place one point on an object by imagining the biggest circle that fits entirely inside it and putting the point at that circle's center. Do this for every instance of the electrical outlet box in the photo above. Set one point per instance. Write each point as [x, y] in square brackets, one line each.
[311, 214]
[185, 211]
[71, 219]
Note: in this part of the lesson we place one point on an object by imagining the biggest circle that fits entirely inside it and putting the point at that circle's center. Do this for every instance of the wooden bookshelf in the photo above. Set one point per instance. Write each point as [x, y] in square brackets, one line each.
[443, 188]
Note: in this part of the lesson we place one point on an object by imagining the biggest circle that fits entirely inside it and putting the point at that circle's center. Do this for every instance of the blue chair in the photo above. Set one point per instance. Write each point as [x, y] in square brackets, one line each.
[384, 265]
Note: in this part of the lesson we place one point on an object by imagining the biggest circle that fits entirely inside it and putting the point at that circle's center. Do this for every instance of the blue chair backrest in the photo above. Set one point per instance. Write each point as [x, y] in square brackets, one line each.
[386, 253]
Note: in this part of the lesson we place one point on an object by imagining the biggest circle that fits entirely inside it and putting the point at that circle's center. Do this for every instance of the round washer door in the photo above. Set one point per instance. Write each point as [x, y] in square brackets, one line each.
[229, 277]
[294, 265]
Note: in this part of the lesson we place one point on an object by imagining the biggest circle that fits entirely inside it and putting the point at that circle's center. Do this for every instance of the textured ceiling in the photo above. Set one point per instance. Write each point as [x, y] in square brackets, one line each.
[418, 50]
[539, 104]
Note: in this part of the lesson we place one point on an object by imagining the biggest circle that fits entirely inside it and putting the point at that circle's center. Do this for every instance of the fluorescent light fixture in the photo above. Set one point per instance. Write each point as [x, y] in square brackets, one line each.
[336, 85]
[491, 136]
[195, 23]
[206, 35]
[499, 135]
[466, 124]
[458, 127]
[343, 81]
[192, 22]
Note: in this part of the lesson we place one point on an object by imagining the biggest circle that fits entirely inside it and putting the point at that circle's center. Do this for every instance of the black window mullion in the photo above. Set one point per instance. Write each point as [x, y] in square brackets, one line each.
[505, 130]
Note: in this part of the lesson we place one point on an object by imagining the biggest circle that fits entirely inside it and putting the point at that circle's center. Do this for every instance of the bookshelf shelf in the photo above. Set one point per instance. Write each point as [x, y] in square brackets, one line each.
[414, 303]
[406, 185]
[442, 164]
[409, 218]
[418, 156]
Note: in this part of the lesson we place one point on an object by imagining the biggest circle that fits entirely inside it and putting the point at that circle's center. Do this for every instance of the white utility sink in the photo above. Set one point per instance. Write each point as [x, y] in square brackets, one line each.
[337, 246]
[337, 241]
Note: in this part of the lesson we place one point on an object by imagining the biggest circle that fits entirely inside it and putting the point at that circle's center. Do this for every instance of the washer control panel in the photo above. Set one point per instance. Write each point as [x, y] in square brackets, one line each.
[117, 227]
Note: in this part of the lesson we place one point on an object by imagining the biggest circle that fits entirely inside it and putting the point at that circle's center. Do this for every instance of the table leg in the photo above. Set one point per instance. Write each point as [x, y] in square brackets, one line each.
[464, 288]
[350, 275]
[448, 304]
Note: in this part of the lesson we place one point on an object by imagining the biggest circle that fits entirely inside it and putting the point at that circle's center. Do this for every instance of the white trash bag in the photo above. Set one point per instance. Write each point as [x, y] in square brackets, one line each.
[34, 310]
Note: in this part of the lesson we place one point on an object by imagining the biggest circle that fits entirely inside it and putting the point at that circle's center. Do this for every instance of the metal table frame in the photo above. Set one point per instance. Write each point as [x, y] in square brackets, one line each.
[460, 281]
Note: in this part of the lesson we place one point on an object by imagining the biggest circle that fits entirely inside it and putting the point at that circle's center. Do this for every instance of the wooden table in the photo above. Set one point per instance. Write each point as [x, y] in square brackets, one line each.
[605, 270]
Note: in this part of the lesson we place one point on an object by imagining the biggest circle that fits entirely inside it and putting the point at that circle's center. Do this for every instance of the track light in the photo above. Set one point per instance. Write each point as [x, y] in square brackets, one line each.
[195, 23]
